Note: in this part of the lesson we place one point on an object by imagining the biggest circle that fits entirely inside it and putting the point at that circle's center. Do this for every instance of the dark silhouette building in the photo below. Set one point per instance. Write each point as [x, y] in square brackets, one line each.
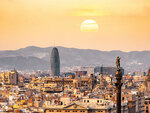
[55, 62]
[107, 70]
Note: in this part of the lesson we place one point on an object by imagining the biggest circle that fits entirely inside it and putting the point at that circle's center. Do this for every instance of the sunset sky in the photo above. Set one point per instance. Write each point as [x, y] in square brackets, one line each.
[123, 24]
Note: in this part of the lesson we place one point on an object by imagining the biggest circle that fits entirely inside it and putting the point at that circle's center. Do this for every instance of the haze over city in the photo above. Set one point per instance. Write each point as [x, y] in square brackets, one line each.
[76, 56]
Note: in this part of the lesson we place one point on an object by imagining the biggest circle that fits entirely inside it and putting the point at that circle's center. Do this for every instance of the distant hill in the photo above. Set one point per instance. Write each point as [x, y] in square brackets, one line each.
[36, 58]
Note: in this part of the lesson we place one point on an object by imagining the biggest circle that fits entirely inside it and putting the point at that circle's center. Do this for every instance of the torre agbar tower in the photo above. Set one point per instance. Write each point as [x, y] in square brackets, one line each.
[55, 62]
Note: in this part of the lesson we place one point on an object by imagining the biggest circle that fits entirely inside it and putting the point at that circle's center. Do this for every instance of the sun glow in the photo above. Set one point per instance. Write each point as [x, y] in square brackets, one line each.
[89, 26]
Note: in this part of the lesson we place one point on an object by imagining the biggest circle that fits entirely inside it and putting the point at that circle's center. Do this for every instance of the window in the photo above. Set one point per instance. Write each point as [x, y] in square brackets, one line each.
[61, 103]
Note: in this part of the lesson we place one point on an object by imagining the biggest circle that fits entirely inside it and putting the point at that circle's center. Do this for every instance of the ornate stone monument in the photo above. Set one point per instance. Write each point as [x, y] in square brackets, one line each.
[118, 84]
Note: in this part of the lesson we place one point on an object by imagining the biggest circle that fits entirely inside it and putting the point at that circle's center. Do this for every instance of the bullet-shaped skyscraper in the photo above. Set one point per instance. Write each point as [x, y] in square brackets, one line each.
[55, 62]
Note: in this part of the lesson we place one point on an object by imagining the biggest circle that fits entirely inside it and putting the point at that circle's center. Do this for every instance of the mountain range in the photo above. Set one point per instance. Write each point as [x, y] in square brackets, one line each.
[36, 58]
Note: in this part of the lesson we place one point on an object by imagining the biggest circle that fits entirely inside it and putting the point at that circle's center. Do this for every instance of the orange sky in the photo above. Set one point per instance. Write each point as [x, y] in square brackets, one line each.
[123, 24]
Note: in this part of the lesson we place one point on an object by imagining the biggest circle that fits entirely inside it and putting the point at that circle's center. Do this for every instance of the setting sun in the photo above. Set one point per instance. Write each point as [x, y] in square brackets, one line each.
[89, 26]
[41, 22]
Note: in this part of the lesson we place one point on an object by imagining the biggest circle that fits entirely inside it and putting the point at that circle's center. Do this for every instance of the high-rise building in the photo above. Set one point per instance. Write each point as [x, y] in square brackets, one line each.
[9, 77]
[107, 70]
[55, 62]
[13, 77]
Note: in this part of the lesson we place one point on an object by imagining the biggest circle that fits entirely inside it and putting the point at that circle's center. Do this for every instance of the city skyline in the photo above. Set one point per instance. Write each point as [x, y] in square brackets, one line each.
[49, 23]
[87, 56]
